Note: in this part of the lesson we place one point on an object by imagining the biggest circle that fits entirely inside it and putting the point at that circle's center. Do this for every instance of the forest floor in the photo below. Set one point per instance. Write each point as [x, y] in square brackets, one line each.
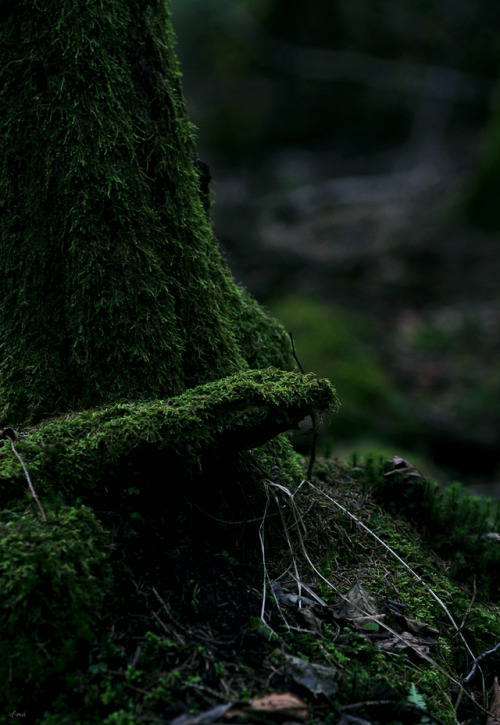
[331, 607]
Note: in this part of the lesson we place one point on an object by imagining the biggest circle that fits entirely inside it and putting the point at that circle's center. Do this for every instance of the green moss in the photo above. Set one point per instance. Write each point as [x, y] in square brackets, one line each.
[112, 284]
[54, 579]
[81, 452]
[345, 553]
[457, 522]
[174, 667]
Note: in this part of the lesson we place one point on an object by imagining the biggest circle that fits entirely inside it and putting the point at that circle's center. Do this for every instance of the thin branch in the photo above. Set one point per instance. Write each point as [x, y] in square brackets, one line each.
[478, 659]
[295, 354]
[31, 487]
[266, 577]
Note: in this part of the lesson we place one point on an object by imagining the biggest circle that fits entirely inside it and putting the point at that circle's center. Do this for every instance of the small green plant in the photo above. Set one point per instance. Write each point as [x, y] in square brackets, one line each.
[415, 698]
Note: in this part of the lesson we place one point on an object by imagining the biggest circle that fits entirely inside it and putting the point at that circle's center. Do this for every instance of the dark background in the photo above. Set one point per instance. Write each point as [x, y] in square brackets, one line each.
[354, 151]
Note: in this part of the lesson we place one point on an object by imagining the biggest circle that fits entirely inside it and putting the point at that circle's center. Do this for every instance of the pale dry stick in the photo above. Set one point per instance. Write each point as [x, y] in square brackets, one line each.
[296, 576]
[381, 622]
[312, 594]
[314, 417]
[470, 603]
[266, 577]
[304, 550]
[285, 528]
[478, 659]
[406, 566]
[342, 596]
[31, 487]
[263, 549]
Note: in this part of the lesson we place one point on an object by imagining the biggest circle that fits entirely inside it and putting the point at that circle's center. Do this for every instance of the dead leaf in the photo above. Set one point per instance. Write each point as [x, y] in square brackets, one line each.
[290, 598]
[311, 620]
[205, 718]
[390, 630]
[401, 623]
[358, 602]
[494, 710]
[406, 469]
[279, 703]
[318, 679]
[403, 642]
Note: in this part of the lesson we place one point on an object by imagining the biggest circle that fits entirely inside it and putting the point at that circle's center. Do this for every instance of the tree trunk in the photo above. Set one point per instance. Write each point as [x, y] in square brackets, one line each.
[114, 297]
[112, 284]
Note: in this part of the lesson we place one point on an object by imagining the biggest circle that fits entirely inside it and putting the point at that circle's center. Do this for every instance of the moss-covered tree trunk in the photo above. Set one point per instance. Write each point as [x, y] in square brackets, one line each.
[112, 286]
[121, 324]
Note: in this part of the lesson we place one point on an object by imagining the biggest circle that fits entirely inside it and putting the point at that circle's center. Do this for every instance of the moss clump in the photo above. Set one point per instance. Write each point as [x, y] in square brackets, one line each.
[460, 525]
[80, 452]
[54, 579]
[212, 599]
[123, 338]
[345, 553]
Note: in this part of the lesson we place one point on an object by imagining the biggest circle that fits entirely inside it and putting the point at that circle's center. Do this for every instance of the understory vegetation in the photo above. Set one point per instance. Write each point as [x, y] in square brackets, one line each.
[363, 591]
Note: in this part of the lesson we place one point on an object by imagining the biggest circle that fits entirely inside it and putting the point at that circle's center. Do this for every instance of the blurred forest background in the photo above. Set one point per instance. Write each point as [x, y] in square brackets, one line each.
[354, 147]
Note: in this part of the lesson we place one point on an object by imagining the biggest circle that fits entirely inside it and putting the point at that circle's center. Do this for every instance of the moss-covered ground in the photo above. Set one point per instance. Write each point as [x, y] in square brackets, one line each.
[132, 619]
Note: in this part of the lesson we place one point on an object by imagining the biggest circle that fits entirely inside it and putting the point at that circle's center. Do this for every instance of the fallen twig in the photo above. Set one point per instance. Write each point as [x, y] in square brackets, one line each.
[31, 487]
[478, 659]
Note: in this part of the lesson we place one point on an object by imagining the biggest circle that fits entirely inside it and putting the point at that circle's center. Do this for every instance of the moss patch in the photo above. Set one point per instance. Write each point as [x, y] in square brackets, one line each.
[85, 450]
[55, 580]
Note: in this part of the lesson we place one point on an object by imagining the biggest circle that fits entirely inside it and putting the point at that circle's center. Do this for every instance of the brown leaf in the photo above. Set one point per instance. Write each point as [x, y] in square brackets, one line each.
[318, 679]
[279, 703]
[311, 620]
[494, 711]
[404, 642]
[400, 465]
[358, 602]
[401, 623]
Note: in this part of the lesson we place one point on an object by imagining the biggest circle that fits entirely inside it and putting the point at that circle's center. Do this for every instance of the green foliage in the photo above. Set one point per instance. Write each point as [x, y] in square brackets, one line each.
[340, 345]
[55, 579]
